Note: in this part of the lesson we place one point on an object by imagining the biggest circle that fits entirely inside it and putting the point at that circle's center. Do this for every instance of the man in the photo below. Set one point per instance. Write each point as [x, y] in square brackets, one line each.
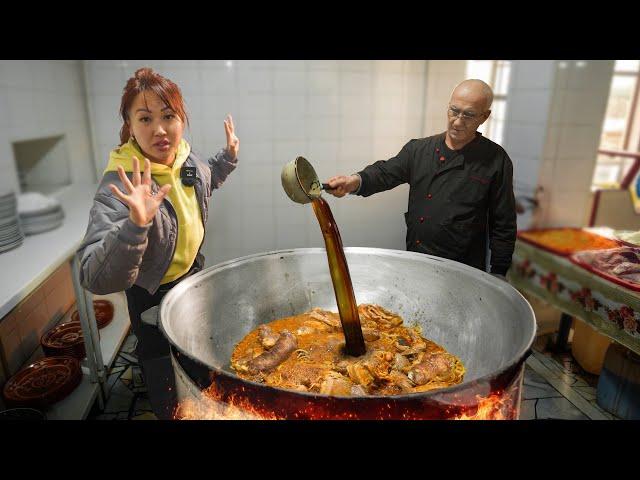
[461, 186]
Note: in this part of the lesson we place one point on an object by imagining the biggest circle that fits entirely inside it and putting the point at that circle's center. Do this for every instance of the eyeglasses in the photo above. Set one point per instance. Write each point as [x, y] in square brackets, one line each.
[453, 112]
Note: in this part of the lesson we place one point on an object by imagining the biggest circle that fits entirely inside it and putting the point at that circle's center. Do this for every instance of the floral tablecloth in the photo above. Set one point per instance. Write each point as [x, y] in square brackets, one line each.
[611, 309]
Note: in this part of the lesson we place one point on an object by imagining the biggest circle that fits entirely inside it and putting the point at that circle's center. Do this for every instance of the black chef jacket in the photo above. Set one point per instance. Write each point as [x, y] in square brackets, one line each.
[455, 199]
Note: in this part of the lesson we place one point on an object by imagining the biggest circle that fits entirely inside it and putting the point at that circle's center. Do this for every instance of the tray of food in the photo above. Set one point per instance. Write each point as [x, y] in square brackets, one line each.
[566, 241]
[618, 265]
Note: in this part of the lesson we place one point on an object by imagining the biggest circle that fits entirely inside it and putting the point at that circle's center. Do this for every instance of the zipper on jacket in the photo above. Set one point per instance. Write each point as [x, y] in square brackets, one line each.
[175, 216]
[198, 187]
[175, 243]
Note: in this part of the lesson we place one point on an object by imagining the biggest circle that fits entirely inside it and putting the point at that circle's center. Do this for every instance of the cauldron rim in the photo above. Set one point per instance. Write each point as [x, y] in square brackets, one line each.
[514, 362]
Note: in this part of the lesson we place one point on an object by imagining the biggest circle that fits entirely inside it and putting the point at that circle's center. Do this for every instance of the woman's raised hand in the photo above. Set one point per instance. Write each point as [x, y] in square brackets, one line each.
[143, 204]
[233, 144]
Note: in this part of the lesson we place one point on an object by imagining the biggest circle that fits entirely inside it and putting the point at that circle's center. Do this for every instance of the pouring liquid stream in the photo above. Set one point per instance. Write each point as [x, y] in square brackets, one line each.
[341, 279]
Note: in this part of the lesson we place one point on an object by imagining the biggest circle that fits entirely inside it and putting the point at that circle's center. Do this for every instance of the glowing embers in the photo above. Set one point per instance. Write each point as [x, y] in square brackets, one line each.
[228, 400]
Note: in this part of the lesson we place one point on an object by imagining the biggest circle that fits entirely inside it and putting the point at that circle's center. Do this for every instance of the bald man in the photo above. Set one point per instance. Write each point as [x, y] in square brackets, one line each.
[461, 186]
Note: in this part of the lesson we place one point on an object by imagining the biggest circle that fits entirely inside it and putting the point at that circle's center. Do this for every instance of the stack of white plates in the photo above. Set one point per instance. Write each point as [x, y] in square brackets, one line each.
[11, 235]
[39, 213]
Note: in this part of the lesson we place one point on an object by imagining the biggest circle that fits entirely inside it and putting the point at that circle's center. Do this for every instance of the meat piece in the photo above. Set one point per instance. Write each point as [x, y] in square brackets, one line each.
[626, 268]
[267, 361]
[323, 317]
[305, 330]
[268, 337]
[402, 344]
[411, 345]
[316, 325]
[400, 380]
[368, 324]
[429, 369]
[360, 374]
[385, 319]
[400, 362]
[341, 366]
[370, 335]
[384, 355]
[414, 350]
[336, 385]
[379, 364]
[358, 391]
[623, 262]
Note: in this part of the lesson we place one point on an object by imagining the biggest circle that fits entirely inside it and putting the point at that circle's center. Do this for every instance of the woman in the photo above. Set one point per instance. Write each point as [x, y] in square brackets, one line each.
[146, 229]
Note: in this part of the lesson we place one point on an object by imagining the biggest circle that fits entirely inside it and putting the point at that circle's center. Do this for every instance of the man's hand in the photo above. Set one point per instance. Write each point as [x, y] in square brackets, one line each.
[342, 185]
[142, 203]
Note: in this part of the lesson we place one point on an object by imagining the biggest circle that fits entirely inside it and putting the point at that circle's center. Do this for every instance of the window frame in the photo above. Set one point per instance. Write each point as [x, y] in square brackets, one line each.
[632, 121]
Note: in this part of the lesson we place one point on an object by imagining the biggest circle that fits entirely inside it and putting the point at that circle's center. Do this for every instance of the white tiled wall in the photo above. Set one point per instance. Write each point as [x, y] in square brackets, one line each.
[579, 100]
[42, 99]
[552, 131]
[443, 76]
[340, 115]
[526, 124]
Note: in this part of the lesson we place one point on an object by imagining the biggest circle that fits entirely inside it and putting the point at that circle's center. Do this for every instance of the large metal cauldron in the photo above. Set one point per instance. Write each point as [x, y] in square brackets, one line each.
[475, 316]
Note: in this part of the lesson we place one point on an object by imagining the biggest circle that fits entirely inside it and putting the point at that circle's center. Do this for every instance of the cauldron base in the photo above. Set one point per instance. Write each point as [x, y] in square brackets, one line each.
[196, 404]
[484, 322]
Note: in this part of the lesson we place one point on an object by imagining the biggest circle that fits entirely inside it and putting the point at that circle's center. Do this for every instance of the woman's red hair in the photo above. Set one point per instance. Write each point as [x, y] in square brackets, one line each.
[145, 79]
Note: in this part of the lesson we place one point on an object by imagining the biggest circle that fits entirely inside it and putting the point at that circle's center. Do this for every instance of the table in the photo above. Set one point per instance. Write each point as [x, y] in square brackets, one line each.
[611, 309]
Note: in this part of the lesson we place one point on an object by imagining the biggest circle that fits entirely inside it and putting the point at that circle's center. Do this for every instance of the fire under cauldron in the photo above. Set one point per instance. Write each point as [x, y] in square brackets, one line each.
[482, 320]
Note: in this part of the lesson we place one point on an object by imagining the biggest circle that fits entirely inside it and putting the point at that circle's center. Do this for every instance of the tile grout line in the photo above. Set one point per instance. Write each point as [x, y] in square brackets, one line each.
[575, 398]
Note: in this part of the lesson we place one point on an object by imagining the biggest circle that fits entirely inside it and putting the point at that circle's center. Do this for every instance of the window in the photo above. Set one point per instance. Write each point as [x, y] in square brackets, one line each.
[496, 74]
[620, 140]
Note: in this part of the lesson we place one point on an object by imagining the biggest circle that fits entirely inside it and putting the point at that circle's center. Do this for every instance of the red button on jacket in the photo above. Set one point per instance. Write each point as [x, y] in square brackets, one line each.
[429, 195]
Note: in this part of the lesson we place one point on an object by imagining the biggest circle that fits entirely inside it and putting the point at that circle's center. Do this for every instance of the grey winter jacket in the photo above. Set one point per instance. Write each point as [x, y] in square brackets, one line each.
[116, 253]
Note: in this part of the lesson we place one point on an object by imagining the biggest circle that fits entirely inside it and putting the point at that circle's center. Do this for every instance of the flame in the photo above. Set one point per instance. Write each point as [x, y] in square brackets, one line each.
[214, 405]
[496, 406]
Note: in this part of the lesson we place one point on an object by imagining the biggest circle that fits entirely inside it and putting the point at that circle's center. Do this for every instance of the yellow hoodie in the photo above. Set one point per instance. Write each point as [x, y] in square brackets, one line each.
[182, 198]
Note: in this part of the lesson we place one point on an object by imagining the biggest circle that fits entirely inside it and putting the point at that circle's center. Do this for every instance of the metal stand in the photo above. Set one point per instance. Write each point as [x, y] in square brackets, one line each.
[562, 337]
[89, 332]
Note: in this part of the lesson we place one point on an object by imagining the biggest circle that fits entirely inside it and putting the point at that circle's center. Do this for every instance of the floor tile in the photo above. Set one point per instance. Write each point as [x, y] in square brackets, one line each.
[528, 409]
[145, 416]
[586, 391]
[142, 403]
[535, 386]
[557, 408]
